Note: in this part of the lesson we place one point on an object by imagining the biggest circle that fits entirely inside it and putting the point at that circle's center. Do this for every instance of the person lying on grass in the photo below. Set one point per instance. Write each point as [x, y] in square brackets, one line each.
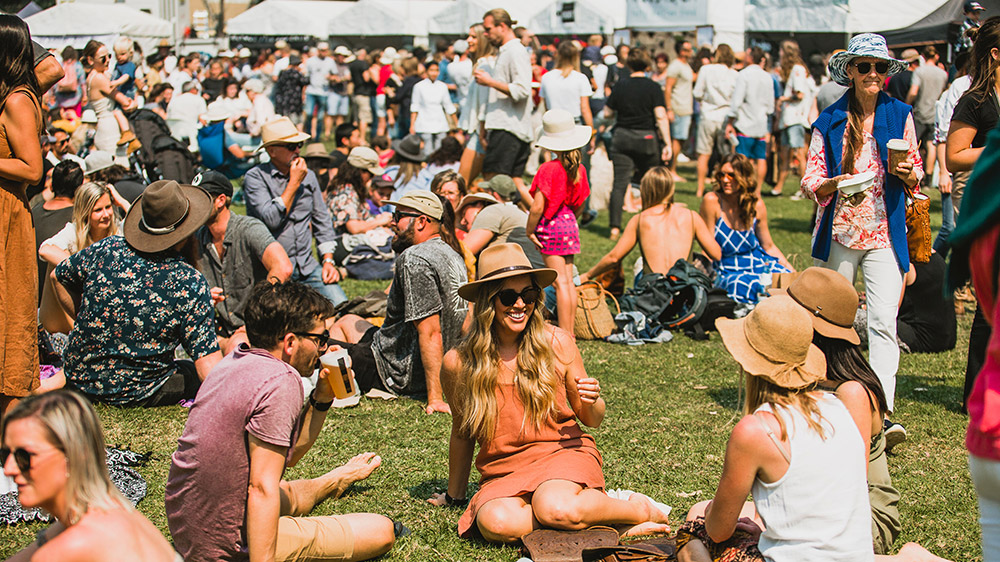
[515, 385]
[665, 232]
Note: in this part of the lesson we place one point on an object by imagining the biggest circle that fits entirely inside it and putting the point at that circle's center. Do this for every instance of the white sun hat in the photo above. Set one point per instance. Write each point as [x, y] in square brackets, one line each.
[560, 133]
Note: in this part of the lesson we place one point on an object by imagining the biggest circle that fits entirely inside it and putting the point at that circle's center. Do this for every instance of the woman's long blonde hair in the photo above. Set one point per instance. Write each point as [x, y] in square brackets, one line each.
[483, 46]
[656, 187]
[760, 391]
[536, 380]
[84, 201]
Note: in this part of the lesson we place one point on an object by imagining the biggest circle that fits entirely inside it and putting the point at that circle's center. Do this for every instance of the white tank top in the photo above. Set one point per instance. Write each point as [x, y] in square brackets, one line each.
[819, 509]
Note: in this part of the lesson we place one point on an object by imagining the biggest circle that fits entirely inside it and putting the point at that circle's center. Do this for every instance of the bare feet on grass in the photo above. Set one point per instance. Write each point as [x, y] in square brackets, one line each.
[357, 469]
[656, 520]
[913, 552]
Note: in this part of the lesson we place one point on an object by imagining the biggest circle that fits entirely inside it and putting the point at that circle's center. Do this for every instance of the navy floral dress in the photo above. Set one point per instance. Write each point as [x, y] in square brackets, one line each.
[135, 309]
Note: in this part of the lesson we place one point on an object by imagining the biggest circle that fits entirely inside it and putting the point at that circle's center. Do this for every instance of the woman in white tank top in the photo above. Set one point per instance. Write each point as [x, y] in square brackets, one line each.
[797, 449]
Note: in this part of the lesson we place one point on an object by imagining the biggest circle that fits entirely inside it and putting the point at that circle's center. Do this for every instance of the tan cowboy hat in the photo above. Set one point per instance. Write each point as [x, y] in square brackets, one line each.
[831, 300]
[280, 130]
[774, 342]
[165, 214]
[484, 198]
[315, 150]
[560, 132]
[501, 261]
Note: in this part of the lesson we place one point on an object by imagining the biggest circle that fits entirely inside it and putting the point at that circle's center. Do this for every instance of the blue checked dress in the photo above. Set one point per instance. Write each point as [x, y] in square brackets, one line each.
[743, 262]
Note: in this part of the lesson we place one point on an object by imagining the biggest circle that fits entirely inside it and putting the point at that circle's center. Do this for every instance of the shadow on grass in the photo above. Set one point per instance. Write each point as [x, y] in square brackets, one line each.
[932, 390]
[423, 490]
[791, 224]
[727, 397]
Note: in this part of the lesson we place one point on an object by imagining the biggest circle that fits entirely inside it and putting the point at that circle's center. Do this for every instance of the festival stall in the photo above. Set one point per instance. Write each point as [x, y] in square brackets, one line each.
[386, 22]
[542, 17]
[297, 21]
[75, 23]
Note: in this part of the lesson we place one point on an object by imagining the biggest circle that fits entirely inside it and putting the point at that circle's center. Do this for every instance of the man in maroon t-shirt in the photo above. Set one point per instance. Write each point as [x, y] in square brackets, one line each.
[225, 497]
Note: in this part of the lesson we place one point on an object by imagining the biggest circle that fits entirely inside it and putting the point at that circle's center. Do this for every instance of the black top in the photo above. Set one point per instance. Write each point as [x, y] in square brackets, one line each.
[899, 85]
[634, 99]
[213, 87]
[362, 87]
[130, 188]
[926, 319]
[981, 114]
[47, 224]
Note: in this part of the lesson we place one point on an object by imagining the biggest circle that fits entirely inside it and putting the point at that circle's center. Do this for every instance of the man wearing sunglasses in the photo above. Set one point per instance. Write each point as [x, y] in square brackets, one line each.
[225, 496]
[424, 314]
[286, 196]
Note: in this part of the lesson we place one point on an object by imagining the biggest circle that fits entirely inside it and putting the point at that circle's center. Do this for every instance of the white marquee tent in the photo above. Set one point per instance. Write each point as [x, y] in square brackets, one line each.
[834, 16]
[407, 18]
[542, 17]
[76, 23]
[288, 18]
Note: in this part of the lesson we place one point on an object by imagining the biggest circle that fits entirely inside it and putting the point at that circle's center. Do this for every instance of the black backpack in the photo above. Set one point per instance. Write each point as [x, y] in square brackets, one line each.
[677, 300]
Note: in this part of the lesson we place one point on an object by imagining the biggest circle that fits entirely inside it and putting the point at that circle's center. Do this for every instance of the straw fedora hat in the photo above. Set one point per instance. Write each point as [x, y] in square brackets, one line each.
[831, 300]
[280, 130]
[484, 198]
[560, 133]
[165, 214]
[774, 342]
[501, 261]
[316, 150]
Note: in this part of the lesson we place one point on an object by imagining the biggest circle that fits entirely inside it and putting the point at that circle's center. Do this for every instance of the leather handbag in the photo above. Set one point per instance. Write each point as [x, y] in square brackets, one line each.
[593, 320]
[918, 228]
[550, 545]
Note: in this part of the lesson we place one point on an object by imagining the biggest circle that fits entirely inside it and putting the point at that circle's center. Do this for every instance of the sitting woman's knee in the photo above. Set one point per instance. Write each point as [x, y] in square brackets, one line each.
[698, 510]
[502, 524]
[558, 512]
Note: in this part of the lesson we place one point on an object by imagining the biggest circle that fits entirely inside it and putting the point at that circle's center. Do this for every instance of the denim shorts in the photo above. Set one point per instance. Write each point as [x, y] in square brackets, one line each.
[681, 127]
[793, 136]
[752, 148]
[339, 105]
[314, 102]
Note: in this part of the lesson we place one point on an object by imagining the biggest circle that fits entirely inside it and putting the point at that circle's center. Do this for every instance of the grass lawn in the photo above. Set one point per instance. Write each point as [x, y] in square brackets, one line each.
[670, 410]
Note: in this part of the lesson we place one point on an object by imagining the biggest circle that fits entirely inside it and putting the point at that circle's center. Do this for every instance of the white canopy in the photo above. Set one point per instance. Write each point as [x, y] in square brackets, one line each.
[834, 16]
[288, 18]
[387, 17]
[542, 17]
[76, 23]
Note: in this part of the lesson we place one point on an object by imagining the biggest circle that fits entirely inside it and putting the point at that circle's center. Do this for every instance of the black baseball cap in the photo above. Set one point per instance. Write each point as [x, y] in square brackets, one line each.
[215, 183]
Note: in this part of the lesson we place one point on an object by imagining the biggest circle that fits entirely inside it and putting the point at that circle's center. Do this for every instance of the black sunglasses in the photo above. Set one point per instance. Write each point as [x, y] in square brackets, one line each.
[397, 214]
[322, 341]
[727, 175]
[529, 295]
[291, 146]
[866, 67]
[22, 458]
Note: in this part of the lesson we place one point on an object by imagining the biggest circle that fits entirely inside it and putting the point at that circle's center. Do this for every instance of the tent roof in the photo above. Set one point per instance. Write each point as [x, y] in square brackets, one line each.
[75, 23]
[29, 9]
[542, 17]
[834, 16]
[934, 26]
[386, 17]
[287, 18]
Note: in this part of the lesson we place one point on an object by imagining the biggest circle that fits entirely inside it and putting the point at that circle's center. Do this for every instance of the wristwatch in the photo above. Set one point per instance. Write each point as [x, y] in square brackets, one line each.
[329, 260]
[320, 406]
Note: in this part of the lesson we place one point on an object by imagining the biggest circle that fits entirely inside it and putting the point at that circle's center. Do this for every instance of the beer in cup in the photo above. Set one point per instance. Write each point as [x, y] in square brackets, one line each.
[899, 150]
[341, 377]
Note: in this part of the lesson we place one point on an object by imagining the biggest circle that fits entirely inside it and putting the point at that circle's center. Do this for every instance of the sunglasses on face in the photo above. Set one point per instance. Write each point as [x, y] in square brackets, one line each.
[727, 175]
[22, 458]
[397, 215]
[529, 295]
[291, 146]
[866, 67]
[322, 341]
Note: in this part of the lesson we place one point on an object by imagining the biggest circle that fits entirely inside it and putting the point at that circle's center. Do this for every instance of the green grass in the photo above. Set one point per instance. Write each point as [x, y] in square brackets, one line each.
[670, 410]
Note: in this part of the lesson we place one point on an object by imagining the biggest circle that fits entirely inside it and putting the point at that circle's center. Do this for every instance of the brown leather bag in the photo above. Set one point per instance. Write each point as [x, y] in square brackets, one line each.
[918, 228]
[550, 545]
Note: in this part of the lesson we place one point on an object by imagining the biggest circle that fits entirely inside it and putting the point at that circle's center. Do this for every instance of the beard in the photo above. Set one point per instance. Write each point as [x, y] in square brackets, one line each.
[403, 239]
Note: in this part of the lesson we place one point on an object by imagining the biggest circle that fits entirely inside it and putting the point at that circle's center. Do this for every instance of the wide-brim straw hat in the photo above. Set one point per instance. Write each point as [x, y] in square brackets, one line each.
[97, 160]
[863, 45]
[280, 130]
[560, 133]
[831, 300]
[217, 112]
[165, 214]
[501, 261]
[774, 342]
[316, 150]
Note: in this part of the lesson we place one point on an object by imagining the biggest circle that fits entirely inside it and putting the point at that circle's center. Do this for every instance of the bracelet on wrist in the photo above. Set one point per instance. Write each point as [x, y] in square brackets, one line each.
[452, 502]
[319, 406]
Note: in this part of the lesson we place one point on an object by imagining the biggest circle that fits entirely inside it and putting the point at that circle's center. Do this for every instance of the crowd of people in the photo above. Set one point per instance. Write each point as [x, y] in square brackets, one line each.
[463, 177]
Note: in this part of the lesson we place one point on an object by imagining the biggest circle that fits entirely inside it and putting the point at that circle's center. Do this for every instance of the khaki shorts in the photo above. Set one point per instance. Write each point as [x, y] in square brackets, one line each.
[303, 539]
[363, 105]
[707, 130]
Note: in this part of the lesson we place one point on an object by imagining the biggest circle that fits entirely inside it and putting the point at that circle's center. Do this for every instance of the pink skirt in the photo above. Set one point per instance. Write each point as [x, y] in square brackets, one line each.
[560, 235]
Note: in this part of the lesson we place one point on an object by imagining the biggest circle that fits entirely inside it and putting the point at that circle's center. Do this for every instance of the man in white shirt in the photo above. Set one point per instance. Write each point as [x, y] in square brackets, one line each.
[319, 69]
[185, 114]
[680, 101]
[460, 70]
[753, 101]
[432, 114]
[284, 54]
[262, 109]
[714, 89]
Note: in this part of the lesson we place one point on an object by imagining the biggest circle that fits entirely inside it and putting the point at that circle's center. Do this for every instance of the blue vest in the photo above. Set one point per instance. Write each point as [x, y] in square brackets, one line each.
[890, 121]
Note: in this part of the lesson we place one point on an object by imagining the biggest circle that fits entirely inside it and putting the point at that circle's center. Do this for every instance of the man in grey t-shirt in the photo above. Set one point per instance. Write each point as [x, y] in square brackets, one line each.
[424, 315]
[234, 253]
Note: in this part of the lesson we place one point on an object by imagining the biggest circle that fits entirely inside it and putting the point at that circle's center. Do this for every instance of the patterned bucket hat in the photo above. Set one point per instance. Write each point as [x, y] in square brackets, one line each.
[864, 45]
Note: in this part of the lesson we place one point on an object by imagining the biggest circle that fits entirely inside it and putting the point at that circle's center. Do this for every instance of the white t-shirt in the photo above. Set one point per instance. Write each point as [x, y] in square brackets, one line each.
[796, 112]
[681, 98]
[65, 239]
[600, 71]
[460, 72]
[564, 92]
[432, 104]
[714, 89]
[183, 113]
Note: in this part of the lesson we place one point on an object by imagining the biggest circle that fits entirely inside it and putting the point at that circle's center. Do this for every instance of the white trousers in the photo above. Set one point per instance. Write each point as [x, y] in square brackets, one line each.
[883, 286]
[986, 479]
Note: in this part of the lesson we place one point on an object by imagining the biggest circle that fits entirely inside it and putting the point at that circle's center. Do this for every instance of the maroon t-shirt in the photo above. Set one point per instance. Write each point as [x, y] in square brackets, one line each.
[249, 391]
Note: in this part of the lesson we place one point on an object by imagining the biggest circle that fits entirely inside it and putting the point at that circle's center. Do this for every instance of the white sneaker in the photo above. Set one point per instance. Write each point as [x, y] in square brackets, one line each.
[797, 196]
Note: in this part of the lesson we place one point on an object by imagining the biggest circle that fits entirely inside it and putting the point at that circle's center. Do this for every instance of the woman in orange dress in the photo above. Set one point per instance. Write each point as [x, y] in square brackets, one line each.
[517, 386]
[20, 165]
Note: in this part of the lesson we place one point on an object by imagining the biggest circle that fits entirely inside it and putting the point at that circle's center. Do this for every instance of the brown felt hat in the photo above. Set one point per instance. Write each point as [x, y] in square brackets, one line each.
[501, 261]
[165, 214]
[774, 342]
[831, 300]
